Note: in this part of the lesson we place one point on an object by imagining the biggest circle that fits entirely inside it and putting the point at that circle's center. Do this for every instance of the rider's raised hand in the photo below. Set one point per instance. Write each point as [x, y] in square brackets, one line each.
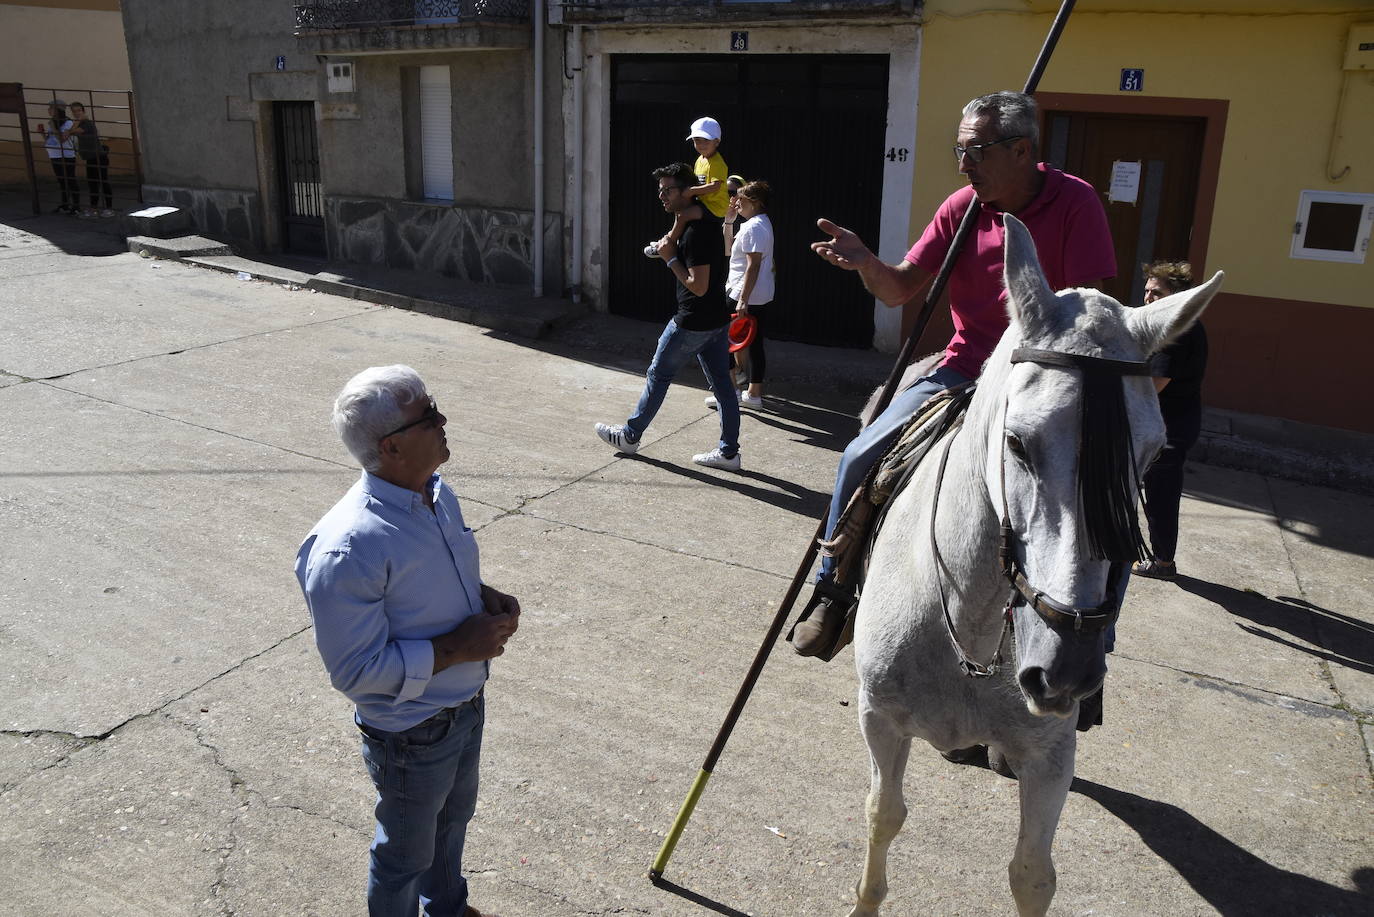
[843, 249]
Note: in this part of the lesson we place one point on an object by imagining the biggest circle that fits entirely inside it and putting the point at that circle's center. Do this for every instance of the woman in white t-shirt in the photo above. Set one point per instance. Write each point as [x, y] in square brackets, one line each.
[61, 154]
[749, 284]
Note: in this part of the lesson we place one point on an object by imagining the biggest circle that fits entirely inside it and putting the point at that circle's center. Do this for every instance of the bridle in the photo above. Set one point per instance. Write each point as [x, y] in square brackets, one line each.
[1080, 619]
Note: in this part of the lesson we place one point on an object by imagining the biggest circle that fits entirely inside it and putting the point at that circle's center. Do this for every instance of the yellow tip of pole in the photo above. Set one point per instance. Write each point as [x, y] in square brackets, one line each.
[675, 832]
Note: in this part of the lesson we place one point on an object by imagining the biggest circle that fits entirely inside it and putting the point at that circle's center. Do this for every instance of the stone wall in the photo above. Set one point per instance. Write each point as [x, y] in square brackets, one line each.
[480, 245]
[222, 214]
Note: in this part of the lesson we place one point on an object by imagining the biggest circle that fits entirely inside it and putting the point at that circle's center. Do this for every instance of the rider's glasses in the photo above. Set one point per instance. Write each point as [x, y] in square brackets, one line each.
[974, 151]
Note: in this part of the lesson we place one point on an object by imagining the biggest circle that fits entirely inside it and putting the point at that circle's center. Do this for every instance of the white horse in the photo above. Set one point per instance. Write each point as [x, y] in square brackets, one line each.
[1063, 419]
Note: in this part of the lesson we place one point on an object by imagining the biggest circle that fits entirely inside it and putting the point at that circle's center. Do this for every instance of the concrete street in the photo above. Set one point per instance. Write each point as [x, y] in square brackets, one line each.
[170, 743]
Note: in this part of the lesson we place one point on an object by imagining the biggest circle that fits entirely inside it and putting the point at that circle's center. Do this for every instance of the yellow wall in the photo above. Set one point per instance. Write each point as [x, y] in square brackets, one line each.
[63, 48]
[1281, 73]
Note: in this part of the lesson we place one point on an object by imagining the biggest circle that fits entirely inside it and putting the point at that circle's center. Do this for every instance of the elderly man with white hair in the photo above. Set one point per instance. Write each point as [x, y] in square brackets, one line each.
[407, 631]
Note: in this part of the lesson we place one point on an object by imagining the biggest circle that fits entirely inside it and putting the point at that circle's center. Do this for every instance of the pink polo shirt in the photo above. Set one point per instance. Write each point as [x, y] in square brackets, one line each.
[1069, 227]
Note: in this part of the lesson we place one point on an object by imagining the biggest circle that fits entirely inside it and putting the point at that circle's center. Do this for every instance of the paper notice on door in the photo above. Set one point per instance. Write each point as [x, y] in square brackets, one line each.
[1125, 182]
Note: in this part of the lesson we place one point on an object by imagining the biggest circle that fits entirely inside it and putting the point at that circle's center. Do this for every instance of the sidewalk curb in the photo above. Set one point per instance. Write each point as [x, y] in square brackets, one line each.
[1275, 447]
[536, 322]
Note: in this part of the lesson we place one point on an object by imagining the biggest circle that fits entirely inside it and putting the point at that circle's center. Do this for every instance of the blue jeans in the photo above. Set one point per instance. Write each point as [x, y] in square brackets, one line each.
[675, 347]
[426, 779]
[873, 440]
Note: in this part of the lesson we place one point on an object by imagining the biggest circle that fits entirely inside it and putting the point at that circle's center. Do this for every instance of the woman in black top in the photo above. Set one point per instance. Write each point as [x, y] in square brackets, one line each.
[1178, 372]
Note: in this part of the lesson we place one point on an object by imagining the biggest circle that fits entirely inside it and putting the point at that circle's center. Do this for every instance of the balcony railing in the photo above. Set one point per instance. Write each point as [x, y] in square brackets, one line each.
[666, 11]
[336, 15]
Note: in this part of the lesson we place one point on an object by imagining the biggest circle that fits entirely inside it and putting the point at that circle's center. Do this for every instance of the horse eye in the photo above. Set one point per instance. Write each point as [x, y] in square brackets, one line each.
[1017, 448]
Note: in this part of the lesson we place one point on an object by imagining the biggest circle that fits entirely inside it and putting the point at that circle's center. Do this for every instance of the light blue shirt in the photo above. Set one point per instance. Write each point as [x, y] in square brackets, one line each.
[382, 574]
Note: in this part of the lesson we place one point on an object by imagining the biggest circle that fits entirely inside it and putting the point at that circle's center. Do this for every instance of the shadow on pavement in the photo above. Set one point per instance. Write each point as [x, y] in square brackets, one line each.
[1232, 879]
[1345, 640]
[1318, 515]
[699, 900]
[798, 499]
[99, 237]
[813, 426]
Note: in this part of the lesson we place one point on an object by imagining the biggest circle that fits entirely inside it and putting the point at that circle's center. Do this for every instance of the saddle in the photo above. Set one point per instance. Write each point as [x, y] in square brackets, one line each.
[857, 529]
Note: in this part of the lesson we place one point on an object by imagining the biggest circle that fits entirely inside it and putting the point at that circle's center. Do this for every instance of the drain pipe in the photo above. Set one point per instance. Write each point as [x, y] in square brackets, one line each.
[538, 148]
[578, 91]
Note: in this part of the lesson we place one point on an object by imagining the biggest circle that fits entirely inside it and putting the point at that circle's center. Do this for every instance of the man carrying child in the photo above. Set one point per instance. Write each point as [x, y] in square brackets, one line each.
[699, 329]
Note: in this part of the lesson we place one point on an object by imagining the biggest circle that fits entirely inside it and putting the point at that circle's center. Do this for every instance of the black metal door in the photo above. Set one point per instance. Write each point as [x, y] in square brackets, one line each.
[298, 171]
[812, 126]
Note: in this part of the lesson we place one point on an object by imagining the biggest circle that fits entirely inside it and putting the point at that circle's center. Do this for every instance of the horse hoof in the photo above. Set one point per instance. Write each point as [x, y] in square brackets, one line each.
[974, 754]
[997, 762]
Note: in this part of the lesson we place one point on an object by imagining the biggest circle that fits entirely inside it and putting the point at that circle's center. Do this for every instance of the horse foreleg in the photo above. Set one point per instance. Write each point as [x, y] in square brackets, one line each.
[888, 750]
[1043, 790]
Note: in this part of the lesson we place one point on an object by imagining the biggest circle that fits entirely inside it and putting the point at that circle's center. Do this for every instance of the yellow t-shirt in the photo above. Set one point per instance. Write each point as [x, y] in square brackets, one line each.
[709, 170]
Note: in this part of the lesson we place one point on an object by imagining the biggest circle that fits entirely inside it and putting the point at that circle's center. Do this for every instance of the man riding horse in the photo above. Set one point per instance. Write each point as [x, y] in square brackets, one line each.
[996, 150]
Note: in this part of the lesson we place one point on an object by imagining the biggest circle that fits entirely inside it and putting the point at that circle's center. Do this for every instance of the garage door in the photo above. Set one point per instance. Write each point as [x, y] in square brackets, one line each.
[812, 125]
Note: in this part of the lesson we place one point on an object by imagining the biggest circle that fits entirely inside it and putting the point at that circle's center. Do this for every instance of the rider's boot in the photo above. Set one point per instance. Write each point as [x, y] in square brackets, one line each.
[821, 630]
[1090, 711]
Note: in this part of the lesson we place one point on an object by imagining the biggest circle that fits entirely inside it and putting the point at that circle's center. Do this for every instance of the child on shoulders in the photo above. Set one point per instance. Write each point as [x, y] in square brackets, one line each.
[709, 192]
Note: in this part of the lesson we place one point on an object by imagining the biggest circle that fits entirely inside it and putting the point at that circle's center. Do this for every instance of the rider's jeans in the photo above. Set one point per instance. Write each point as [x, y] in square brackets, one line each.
[873, 440]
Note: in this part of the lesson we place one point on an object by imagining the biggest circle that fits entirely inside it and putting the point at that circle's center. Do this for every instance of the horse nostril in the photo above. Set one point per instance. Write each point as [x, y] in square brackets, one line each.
[1033, 682]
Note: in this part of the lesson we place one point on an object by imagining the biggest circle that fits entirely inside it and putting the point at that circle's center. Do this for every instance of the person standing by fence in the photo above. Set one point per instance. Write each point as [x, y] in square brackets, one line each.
[97, 157]
[61, 154]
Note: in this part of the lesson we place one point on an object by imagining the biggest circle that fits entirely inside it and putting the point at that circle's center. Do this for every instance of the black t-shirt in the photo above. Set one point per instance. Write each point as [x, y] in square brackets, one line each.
[88, 141]
[702, 243]
[1183, 362]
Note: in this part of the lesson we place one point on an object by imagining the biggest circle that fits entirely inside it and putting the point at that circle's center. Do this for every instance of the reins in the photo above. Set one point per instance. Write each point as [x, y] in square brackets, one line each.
[967, 664]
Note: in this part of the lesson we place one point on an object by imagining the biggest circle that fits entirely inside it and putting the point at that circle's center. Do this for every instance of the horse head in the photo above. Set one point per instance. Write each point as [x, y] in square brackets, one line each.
[1081, 422]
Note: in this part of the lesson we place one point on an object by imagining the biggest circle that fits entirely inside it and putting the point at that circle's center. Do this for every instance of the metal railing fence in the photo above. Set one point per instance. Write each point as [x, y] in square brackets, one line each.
[112, 111]
[331, 15]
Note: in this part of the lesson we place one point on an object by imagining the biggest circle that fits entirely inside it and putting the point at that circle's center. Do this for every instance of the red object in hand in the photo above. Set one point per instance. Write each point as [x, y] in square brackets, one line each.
[742, 331]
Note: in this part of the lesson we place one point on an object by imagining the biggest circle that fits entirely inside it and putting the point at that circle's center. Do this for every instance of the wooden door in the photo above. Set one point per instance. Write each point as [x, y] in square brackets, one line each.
[1158, 225]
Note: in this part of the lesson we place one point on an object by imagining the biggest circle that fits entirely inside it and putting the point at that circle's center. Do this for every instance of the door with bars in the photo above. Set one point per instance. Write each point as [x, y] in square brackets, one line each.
[298, 171]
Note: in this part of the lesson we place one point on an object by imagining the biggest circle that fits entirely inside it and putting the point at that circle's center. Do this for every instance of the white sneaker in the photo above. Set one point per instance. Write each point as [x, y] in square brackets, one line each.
[651, 250]
[617, 437]
[710, 401]
[714, 459]
[747, 400]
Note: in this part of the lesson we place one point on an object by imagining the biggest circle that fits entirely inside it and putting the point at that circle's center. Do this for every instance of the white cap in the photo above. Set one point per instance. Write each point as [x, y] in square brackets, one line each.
[709, 128]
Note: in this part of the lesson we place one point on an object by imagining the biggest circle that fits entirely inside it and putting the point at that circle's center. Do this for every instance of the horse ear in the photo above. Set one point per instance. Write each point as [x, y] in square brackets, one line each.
[1028, 292]
[1156, 325]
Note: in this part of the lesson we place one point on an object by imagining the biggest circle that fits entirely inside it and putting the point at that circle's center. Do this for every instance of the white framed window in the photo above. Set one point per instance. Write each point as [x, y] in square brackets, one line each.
[1333, 226]
[436, 133]
[340, 76]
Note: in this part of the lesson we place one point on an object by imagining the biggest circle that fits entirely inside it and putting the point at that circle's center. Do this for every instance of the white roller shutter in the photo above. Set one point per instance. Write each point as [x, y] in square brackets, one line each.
[436, 133]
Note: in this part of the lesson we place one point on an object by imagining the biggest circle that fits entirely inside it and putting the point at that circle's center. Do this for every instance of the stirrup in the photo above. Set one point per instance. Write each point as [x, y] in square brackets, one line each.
[826, 624]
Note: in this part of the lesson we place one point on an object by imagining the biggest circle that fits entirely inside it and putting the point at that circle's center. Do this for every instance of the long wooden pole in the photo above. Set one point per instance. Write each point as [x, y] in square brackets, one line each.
[684, 814]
